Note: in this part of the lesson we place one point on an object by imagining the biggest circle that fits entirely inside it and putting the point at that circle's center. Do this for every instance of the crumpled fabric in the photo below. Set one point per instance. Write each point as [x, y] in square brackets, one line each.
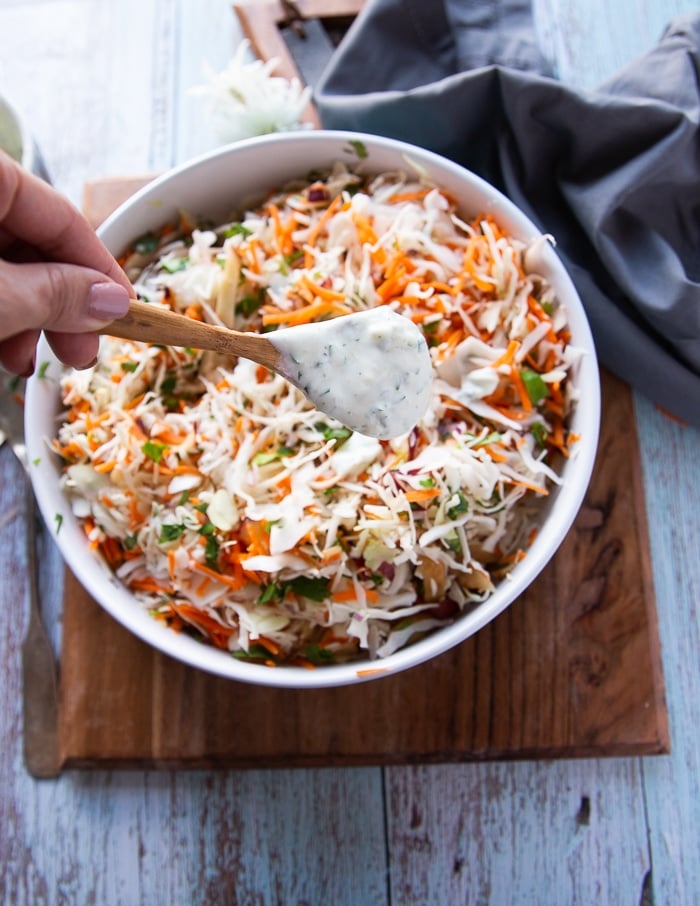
[613, 173]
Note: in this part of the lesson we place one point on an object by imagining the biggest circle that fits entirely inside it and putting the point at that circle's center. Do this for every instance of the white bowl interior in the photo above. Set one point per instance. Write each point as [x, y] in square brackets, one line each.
[216, 185]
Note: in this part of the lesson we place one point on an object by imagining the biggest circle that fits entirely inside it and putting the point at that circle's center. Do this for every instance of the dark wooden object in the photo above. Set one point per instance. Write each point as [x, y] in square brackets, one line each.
[571, 669]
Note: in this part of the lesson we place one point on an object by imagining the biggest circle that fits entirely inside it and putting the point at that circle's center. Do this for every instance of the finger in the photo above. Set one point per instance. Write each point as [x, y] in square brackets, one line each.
[59, 232]
[79, 350]
[18, 355]
[58, 297]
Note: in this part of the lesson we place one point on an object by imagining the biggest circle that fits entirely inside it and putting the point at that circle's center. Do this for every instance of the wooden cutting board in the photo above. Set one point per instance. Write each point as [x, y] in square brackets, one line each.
[571, 669]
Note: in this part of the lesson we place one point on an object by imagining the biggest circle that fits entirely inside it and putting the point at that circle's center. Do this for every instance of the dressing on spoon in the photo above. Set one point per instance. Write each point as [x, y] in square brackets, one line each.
[371, 370]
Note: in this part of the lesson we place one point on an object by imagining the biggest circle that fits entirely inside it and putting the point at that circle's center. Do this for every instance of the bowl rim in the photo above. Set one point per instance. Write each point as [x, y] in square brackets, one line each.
[112, 596]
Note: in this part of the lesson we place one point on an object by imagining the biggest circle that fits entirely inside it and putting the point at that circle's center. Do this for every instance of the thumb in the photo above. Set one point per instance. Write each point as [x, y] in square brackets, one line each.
[64, 298]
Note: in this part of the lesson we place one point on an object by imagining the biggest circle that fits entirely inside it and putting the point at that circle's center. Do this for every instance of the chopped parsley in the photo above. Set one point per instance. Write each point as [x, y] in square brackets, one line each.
[459, 508]
[175, 264]
[315, 588]
[154, 450]
[147, 244]
[540, 433]
[358, 147]
[536, 388]
[264, 459]
[237, 229]
[250, 303]
[333, 433]
[130, 541]
[318, 655]
[492, 438]
[211, 551]
[171, 532]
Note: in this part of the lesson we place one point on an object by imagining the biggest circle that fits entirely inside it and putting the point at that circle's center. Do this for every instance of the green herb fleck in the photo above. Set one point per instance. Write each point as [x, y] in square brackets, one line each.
[175, 265]
[272, 592]
[316, 589]
[237, 229]
[536, 388]
[453, 542]
[290, 259]
[540, 433]
[329, 433]
[130, 541]
[358, 147]
[211, 551]
[170, 532]
[264, 459]
[492, 438]
[459, 508]
[146, 244]
[318, 655]
[154, 450]
[254, 653]
[43, 368]
[313, 588]
[129, 366]
[250, 303]
[167, 385]
[58, 518]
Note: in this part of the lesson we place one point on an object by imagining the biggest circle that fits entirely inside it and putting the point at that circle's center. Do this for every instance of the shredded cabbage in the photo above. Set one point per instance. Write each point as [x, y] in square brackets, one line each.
[235, 511]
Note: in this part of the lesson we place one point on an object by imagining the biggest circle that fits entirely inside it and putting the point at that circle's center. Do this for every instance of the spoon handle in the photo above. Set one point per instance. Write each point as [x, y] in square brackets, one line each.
[152, 324]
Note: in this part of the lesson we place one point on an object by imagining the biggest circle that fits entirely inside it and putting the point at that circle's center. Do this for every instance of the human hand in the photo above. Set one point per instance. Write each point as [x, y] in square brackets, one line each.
[55, 275]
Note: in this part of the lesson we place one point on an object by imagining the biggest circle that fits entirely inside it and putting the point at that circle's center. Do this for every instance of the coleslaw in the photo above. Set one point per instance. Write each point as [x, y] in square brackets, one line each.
[235, 511]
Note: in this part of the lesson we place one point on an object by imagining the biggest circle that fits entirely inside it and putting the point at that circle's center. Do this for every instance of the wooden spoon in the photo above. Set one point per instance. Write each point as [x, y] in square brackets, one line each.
[370, 370]
[152, 324]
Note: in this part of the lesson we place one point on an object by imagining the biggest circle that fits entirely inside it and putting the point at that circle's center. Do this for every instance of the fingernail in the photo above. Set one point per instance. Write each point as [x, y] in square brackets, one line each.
[107, 301]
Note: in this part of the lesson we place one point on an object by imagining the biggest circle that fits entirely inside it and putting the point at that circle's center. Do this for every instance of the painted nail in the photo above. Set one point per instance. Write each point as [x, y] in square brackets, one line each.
[107, 301]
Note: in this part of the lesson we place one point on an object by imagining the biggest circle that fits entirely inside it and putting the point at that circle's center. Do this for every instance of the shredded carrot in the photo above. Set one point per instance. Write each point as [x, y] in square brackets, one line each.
[507, 357]
[318, 309]
[422, 495]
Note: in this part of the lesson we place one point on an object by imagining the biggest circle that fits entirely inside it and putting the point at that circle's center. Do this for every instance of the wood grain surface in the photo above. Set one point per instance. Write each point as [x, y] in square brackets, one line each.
[571, 669]
[106, 89]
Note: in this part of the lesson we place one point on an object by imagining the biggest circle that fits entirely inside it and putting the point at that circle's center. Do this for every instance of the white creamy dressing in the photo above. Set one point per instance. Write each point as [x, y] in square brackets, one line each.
[371, 370]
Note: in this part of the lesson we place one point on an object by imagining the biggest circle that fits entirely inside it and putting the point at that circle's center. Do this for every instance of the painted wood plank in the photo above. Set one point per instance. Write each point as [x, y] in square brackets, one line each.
[671, 465]
[589, 42]
[179, 840]
[517, 834]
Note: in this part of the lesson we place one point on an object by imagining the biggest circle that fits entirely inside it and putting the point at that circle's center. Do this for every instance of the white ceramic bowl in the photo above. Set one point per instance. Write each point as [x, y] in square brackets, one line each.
[214, 185]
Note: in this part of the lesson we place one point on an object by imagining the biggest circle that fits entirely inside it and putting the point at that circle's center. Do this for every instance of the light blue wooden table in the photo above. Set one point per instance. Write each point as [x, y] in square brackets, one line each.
[105, 87]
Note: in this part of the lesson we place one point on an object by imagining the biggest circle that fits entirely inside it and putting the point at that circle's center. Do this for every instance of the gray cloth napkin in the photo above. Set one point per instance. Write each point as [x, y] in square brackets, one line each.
[613, 174]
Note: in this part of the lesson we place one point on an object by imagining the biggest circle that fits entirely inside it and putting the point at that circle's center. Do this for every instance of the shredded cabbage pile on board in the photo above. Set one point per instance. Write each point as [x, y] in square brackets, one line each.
[236, 512]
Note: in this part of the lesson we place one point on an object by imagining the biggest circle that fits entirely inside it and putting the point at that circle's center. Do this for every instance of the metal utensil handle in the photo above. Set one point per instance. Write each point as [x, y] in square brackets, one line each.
[39, 680]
